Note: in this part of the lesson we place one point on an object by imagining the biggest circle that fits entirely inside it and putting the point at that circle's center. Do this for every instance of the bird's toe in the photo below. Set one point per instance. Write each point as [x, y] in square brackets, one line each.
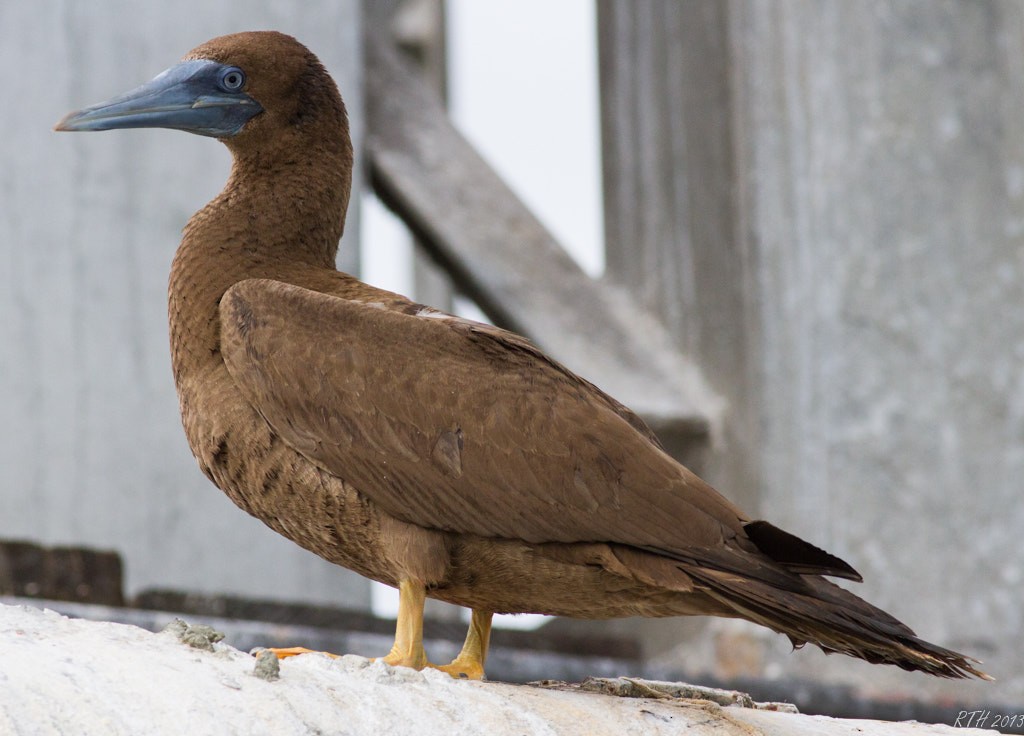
[285, 652]
[463, 669]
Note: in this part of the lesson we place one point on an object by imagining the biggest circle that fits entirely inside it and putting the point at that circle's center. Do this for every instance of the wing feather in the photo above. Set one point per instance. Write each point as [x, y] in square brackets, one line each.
[453, 425]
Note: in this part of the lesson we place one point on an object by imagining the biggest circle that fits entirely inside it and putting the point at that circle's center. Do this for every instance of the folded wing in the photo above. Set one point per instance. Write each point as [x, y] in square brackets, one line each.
[453, 425]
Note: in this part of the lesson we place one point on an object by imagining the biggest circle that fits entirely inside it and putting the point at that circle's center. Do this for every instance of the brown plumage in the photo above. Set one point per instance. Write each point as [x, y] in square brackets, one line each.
[423, 450]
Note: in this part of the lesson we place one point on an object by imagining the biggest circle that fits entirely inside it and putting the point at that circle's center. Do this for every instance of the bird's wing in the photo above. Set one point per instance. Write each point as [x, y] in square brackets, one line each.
[452, 425]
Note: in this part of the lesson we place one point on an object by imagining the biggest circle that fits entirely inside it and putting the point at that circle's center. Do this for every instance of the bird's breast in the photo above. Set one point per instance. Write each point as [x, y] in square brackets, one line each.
[240, 452]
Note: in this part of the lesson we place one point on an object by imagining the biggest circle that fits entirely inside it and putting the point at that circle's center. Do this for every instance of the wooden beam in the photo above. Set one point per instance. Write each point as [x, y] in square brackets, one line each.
[418, 29]
[500, 255]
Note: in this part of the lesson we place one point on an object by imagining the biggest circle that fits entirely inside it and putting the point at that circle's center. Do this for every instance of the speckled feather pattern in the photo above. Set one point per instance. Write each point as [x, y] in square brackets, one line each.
[398, 442]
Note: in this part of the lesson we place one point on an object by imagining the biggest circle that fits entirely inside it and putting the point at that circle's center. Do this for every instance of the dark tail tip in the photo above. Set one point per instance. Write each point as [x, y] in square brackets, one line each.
[795, 554]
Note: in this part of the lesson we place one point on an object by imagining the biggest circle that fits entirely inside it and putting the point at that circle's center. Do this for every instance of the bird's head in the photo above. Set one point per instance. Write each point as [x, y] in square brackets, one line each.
[240, 88]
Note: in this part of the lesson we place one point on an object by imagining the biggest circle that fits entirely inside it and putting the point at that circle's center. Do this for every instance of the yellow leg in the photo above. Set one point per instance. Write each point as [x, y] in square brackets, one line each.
[408, 648]
[408, 651]
[469, 665]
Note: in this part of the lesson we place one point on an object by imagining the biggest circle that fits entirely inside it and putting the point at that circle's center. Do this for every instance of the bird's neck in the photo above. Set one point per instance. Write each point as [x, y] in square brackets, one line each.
[279, 214]
[280, 207]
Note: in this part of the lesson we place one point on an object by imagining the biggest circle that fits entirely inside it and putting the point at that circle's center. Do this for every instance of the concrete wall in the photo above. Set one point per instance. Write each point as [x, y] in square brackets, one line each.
[91, 449]
[825, 201]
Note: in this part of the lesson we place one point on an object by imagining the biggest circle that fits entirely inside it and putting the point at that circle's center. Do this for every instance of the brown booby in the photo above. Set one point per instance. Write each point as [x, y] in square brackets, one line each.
[445, 457]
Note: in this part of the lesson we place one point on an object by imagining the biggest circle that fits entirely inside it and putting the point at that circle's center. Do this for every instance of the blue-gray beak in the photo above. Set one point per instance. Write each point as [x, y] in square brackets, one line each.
[200, 96]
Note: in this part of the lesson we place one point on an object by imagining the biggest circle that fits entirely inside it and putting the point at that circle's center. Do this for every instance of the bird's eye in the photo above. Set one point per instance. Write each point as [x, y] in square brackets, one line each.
[232, 79]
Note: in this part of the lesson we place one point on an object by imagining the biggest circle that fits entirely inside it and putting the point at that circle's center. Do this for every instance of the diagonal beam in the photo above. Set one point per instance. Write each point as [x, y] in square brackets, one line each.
[501, 256]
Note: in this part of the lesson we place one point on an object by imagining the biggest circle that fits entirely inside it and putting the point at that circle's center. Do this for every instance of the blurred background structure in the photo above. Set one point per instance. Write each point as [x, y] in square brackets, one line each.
[813, 219]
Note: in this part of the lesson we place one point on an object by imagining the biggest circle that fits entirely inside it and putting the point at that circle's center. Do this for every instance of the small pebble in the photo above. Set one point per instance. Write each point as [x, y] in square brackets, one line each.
[198, 636]
[267, 666]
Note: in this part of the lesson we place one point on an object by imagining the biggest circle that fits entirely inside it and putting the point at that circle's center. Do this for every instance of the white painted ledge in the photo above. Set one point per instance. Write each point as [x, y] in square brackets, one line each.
[76, 677]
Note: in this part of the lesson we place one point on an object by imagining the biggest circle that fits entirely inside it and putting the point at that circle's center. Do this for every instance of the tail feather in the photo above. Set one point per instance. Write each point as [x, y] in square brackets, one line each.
[833, 619]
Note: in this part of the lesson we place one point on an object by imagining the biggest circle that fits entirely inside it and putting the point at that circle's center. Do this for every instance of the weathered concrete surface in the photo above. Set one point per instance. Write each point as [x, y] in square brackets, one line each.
[67, 676]
[513, 657]
[91, 446]
[825, 203]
